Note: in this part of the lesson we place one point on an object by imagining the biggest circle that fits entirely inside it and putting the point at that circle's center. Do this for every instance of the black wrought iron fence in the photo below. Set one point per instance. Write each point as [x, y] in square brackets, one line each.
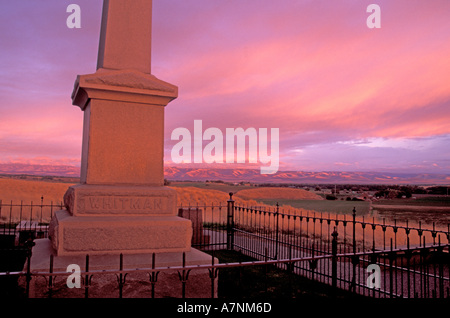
[395, 279]
[275, 229]
[209, 222]
[54, 283]
[348, 252]
[402, 260]
[20, 222]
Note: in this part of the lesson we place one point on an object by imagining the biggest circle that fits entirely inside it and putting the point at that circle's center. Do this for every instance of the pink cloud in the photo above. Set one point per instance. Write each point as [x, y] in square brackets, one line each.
[312, 69]
[348, 83]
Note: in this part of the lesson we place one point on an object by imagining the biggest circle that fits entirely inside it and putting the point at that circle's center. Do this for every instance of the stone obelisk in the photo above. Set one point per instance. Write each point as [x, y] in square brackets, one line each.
[121, 204]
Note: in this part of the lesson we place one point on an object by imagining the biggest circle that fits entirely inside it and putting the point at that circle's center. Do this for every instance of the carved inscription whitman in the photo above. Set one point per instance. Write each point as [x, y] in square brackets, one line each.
[124, 204]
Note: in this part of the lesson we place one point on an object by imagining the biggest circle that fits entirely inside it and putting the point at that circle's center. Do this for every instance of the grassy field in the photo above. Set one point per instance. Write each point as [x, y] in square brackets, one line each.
[428, 210]
[251, 192]
[30, 192]
[191, 196]
[264, 193]
[438, 201]
[227, 188]
[17, 190]
[325, 206]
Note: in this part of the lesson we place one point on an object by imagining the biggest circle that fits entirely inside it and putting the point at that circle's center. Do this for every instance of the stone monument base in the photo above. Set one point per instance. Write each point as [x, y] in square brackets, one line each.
[75, 235]
[137, 284]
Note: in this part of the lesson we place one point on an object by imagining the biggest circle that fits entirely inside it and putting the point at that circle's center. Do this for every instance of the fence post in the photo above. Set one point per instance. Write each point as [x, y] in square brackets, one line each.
[183, 276]
[334, 261]
[28, 276]
[153, 275]
[121, 278]
[391, 272]
[29, 245]
[355, 260]
[277, 213]
[213, 275]
[86, 278]
[440, 251]
[230, 223]
[50, 278]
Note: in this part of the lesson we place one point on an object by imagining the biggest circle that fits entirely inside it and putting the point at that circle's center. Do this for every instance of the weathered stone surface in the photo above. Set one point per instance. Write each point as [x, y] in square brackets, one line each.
[196, 217]
[128, 79]
[123, 144]
[93, 200]
[122, 85]
[125, 35]
[115, 234]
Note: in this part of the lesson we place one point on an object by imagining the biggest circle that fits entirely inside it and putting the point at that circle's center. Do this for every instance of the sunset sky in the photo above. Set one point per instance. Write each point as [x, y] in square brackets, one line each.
[345, 97]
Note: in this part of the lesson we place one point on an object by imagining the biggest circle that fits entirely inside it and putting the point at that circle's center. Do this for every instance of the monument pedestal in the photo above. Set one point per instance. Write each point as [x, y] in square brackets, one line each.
[72, 235]
[120, 200]
[119, 219]
[137, 283]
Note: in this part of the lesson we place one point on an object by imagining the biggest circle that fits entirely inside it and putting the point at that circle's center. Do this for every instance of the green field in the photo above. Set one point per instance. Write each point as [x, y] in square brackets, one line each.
[325, 206]
[340, 206]
[430, 200]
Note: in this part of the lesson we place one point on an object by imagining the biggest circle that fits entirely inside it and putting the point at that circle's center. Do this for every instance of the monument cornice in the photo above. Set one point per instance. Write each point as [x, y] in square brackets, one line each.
[122, 85]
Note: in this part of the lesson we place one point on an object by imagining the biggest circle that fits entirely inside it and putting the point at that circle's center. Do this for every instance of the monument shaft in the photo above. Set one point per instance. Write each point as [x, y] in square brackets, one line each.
[125, 36]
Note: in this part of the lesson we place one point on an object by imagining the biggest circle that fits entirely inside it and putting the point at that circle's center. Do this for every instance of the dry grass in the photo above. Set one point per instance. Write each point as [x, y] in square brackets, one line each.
[31, 191]
[212, 202]
[277, 193]
[193, 196]
[28, 191]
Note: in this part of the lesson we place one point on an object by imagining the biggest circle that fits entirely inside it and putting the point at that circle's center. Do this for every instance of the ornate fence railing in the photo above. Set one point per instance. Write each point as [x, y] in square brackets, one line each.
[362, 255]
[365, 256]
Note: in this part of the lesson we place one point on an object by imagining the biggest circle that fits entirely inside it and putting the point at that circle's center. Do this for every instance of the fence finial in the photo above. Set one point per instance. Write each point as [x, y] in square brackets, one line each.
[335, 233]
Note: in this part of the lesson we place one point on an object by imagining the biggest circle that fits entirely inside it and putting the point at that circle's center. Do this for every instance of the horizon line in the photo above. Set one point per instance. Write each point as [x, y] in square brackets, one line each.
[244, 168]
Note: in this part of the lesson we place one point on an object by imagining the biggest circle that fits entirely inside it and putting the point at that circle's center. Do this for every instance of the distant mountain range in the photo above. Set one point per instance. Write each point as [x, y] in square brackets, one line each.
[249, 175]
[254, 175]
[40, 170]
